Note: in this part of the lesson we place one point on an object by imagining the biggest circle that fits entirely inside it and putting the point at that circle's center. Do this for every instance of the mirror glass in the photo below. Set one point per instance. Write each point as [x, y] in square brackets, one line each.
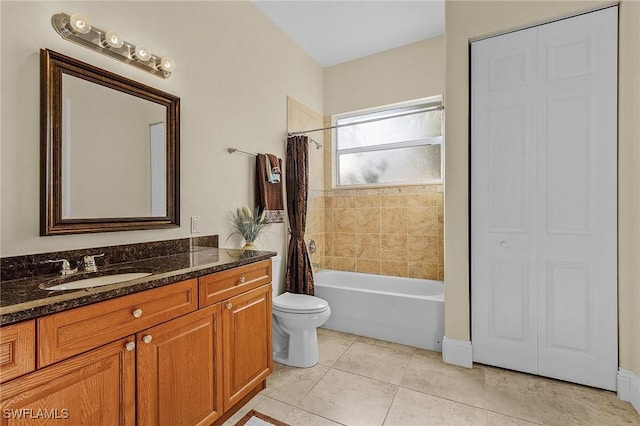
[110, 151]
[110, 133]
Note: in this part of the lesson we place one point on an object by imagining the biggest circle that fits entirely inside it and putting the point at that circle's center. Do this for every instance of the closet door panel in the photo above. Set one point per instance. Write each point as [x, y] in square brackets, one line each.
[503, 190]
[577, 200]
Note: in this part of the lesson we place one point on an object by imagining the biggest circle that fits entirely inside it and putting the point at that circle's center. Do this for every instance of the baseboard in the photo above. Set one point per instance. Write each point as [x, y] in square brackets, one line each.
[457, 352]
[629, 388]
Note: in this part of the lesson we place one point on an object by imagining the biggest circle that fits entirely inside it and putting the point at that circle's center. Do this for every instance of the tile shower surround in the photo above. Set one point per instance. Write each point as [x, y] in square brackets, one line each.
[390, 231]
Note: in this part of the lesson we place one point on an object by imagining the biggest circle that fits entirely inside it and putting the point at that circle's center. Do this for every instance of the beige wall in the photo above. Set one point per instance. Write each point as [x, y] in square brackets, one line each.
[471, 19]
[234, 72]
[397, 75]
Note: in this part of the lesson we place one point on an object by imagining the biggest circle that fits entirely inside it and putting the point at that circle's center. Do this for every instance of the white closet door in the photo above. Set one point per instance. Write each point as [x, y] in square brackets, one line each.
[543, 192]
[577, 199]
[504, 258]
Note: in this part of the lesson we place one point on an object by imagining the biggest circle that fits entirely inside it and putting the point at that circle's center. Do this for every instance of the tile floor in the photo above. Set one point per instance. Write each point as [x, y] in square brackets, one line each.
[362, 381]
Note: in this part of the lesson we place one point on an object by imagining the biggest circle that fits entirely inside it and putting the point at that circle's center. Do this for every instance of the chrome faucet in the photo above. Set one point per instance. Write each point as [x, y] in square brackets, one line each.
[66, 267]
[89, 263]
[312, 247]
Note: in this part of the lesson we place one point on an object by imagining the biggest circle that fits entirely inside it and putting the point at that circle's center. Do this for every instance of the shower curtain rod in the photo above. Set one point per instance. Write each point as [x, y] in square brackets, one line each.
[371, 120]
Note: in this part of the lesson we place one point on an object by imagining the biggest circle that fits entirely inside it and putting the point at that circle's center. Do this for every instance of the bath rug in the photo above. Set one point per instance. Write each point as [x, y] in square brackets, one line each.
[256, 418]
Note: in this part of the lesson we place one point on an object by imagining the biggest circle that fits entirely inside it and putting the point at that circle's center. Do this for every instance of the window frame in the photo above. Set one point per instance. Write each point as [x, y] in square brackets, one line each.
[433, 101]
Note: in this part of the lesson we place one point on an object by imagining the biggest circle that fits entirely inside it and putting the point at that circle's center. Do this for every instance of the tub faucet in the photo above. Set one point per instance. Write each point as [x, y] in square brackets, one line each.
[312, 247]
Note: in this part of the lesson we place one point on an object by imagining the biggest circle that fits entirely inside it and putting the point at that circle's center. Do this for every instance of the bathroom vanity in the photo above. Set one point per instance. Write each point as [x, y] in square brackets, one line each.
[187, 345]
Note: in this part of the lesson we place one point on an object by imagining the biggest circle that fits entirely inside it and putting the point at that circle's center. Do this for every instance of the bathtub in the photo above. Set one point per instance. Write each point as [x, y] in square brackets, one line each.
[409, 311]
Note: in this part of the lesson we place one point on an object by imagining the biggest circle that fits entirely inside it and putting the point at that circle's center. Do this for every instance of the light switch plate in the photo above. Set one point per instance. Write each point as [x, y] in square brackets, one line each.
[195, 224]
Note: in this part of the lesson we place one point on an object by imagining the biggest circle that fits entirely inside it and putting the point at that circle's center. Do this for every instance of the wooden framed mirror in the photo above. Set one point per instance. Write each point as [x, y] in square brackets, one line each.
[110, 151]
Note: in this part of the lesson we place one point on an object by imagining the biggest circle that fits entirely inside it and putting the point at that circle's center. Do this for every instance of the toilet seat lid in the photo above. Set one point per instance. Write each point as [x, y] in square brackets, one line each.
[299, 303]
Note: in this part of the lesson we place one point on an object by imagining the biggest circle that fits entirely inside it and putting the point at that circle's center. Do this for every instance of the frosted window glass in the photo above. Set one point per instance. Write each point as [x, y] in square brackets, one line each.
[407, 128]
[396, 150]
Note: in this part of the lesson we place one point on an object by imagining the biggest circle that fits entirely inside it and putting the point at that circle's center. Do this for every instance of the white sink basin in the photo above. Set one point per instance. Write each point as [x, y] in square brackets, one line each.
[98, 281]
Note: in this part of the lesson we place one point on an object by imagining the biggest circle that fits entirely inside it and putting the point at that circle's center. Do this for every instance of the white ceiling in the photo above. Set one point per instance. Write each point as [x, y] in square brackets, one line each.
[333, 32]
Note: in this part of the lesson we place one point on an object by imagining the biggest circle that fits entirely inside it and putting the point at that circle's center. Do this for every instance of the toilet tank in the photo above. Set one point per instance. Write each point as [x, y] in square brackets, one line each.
[276, 274]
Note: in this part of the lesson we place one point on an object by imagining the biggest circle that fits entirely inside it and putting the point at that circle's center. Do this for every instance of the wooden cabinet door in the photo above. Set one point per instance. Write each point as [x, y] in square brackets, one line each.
[179, 370]
[246, 333]
[96, 388]
[17, 350]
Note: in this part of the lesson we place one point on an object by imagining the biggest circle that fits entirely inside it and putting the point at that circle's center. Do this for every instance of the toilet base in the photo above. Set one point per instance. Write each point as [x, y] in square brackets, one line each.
[302, 350]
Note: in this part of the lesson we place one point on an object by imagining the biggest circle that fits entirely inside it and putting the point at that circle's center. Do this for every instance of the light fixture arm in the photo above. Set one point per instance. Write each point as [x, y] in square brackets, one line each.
[95, 39]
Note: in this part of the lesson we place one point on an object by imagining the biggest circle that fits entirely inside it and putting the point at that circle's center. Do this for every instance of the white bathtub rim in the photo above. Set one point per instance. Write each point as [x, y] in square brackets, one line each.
[439, 296]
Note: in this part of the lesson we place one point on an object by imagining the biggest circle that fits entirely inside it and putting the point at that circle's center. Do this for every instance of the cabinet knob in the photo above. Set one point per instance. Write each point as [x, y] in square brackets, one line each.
[137, 313]
[242, 280]
[130, 346]
[147, 339]
[229, 305]
[504, 244]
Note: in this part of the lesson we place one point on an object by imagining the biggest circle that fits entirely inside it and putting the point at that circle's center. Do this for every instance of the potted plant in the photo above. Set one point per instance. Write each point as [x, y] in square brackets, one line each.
[249, 224]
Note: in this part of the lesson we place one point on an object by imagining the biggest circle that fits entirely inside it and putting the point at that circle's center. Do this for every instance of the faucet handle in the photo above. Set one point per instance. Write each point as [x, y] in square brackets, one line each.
[89, 262]
[66, 267]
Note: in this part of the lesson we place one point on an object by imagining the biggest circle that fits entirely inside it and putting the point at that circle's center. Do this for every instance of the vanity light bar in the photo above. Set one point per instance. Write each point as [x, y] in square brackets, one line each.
[78, 29]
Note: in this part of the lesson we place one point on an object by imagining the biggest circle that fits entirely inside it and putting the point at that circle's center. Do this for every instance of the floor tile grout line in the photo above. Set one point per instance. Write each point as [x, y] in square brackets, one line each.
[319, 415]
[390, 405]
[514, 417]
[313, 387]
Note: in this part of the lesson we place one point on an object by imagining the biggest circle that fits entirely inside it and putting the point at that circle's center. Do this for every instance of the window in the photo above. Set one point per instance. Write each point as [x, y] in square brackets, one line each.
[392, 145]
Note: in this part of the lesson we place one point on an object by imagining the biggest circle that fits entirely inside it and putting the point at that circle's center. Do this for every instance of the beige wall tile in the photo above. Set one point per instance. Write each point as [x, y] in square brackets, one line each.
[315, 221]
[393, 247]
[368, 220]
[427, 271]
[422, 220]
[344, 202]
[328, 244]
[328, 220]
[368, 246]
[344, 263]
[328, 202]
[327, 263]
[368, 201]
[423, 249]
[441, 272]
[395, 268]
[368, 266]
[376, 224]
[393, 220]
[344, 245]
[393, 200]
[344, 220]
[423, 200]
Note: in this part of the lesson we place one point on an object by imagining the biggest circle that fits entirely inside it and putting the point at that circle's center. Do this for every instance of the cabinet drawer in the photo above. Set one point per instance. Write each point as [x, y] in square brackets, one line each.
[78, 330]
[229, 283]
[17, 350]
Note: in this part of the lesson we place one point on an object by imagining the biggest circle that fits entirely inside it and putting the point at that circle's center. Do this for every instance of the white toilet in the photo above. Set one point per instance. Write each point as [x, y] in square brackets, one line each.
[295, 319]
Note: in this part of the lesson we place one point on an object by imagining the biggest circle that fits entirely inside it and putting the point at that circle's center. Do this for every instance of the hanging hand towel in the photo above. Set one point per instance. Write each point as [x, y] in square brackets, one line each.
[269, 195]
[273, 169]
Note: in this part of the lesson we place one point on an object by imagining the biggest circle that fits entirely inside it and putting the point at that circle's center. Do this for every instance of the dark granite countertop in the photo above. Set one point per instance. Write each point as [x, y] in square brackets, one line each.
[27, 298]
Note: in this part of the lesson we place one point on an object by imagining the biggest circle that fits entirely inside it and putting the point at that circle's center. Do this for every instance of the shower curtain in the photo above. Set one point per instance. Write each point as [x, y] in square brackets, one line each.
[299, 276]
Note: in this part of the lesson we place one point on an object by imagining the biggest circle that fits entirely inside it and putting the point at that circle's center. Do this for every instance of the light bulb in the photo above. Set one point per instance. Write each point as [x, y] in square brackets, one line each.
[142, 53]
[113, 39]
[80, 23]
[167, 64]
